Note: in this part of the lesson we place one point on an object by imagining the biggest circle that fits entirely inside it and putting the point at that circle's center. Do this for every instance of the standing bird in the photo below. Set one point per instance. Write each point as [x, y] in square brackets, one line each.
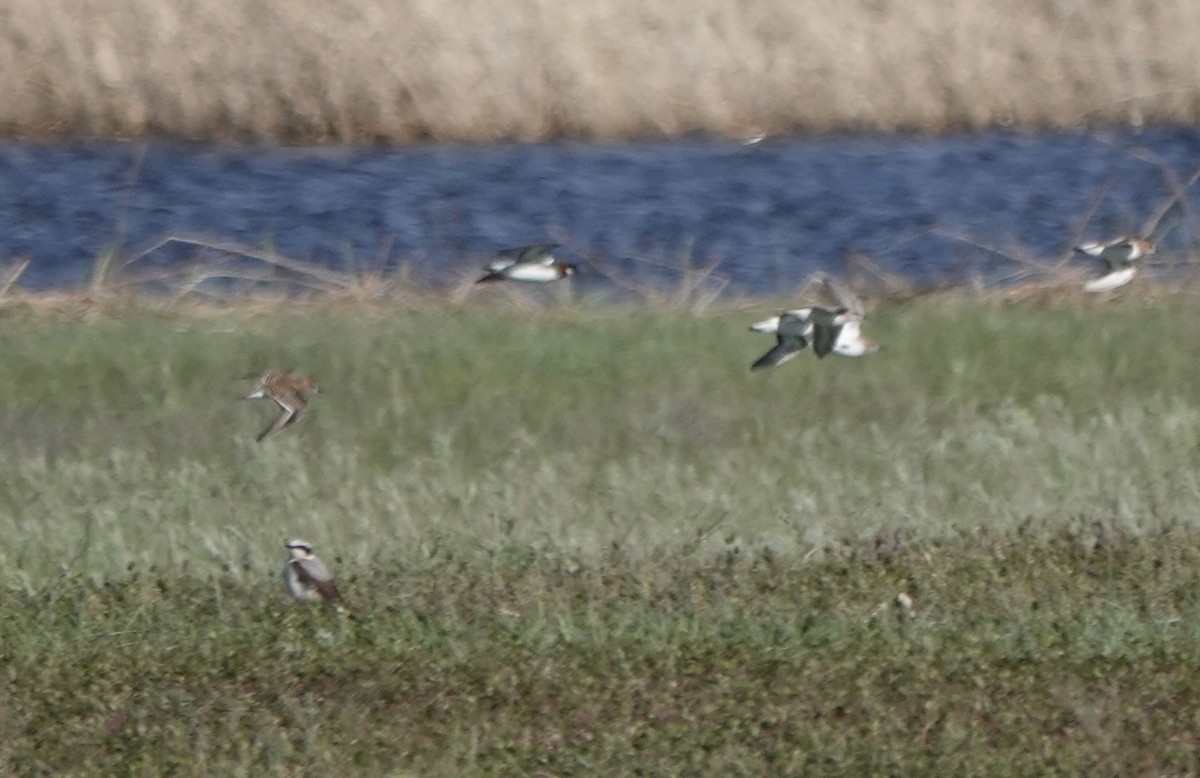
[1118, 256]
[288, 392]
[308, 579]
[535, 263]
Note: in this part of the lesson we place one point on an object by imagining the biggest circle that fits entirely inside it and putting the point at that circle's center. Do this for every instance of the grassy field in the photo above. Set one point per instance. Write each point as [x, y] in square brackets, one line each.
[589, 541]
[314, 71]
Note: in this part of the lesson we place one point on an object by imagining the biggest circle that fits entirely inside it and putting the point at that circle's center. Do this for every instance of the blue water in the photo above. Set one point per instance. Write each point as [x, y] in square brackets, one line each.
[769, 214]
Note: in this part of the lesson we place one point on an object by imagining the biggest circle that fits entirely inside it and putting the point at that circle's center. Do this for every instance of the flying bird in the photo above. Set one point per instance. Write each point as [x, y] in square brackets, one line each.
[535, 263]
[828, 330]
[289, 392]
[1119, 256]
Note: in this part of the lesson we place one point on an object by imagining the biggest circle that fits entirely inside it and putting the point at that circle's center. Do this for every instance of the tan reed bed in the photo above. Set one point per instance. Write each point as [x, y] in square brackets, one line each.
[372, 70]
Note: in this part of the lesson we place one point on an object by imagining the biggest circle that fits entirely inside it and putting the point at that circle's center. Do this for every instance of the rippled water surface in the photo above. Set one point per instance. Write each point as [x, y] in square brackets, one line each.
[770, 213]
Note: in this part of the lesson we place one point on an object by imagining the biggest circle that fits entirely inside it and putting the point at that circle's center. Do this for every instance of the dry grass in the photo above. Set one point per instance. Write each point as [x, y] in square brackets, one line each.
[363, 70]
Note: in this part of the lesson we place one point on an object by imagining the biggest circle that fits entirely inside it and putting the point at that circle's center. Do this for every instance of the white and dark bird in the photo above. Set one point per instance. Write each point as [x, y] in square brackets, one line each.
[535, 263]
[1119, 257]
[836, 329]
[308, 579]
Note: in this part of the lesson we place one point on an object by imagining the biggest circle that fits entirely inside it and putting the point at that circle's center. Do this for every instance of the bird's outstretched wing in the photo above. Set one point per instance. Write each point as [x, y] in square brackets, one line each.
[541, 253]
[841, 295]
[786, 347]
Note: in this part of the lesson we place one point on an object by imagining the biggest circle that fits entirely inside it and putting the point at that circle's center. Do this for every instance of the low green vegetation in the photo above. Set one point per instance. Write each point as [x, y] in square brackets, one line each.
[590, 541]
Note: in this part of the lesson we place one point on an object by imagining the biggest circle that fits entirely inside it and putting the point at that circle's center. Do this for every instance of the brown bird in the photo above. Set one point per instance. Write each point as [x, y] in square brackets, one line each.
[288, 392]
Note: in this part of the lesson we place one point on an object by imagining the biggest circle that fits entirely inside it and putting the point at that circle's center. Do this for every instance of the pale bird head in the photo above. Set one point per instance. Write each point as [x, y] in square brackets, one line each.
[300, 549]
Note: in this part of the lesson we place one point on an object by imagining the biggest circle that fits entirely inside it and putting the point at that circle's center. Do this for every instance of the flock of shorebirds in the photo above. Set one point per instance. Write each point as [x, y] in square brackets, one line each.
[835, 328]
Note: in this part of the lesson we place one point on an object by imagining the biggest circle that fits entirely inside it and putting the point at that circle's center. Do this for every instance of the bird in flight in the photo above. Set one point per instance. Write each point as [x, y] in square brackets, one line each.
[535, 263]
[835, 329]
[1118, 256]
[289, 392]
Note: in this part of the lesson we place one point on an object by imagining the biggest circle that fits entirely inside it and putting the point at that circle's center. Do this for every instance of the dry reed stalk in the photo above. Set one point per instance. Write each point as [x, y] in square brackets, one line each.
[11, 276]
[695, 288]
[372, 70]
[117, 277]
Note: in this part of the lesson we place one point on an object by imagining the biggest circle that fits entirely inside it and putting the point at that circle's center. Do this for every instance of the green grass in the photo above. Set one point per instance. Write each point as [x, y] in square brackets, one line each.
[590, 541]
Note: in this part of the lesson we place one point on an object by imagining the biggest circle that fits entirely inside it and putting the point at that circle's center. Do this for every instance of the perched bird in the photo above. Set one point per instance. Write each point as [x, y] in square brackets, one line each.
[834, 329]
[528, 263]
[288, 392]
[308, 579]
[1118, 256]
